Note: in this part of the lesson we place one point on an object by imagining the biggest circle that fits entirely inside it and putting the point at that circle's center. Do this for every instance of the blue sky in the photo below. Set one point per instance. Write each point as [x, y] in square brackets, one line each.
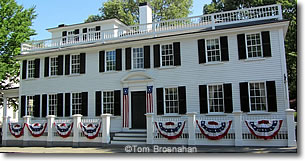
[54, 12]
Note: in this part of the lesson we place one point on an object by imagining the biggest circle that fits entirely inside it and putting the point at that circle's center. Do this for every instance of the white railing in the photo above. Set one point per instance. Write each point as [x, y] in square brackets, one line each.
[155, 28]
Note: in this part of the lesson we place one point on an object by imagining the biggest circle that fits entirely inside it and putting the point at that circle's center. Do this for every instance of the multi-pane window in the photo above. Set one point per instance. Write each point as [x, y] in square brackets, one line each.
[138, 58]
[31, 68]
[75, 64]
[76, 103]
[108, 102]
[257, 96]
[30, 105]
[254, 45]
[216, 103]
[54, 66]
[213, 50]
[53, 104]
[167, 55]
[171, 100]
[110, 61]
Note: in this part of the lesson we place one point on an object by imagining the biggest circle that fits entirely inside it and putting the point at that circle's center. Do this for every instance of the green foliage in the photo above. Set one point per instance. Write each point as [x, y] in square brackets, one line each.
[127, 11]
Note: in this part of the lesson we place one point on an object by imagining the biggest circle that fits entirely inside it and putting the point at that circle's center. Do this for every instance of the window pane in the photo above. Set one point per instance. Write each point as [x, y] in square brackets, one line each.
[254, 45]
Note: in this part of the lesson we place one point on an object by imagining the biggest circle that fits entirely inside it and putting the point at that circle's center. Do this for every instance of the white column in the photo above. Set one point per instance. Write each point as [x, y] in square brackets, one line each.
[238, 128]
[106, 128]
[51, 119]
[291, 127]
[76, 128]
[6, 121]
[191, 122]
[150, 128]
[26, 133]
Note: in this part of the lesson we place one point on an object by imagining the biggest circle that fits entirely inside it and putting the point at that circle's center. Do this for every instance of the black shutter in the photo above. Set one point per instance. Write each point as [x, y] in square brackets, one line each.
[266, 44]
[102, 61]
[156, 56]
[271, 96]
[67, 64]
[228, 102]
[118, 59]
[224, 48]
[46, 66]
[203, 99]
[67, 104]
[244, 97]
[23, 105]
[64, 33]
[60, 104]
[242, 54]
[160, 104]
[146, 56]
[60, 65]
[82, 63]
[36, 106]
[97, 28]
[76, 31]
[128, 58]
[84, 103]
[177, 54]
[98, 103]
[84, 30]
[44, 105]
[182, 99]
[201, 51]
[24, 66]
[117, 103]
[37, 68]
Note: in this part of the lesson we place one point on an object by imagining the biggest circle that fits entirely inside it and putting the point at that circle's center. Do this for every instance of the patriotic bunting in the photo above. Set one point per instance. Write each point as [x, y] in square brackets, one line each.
[90, 130]
[37, 129]
[170, 130]
[214, 130]
[16, 129]
[63, 129]
[264, 129]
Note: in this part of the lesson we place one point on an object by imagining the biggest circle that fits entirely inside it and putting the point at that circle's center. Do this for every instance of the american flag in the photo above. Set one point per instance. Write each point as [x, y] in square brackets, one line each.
[149, 100]
[125, 108]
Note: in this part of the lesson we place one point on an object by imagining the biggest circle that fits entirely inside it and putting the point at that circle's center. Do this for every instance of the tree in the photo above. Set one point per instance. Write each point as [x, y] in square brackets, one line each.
[127, 11]
[15, 22]
[289, 8]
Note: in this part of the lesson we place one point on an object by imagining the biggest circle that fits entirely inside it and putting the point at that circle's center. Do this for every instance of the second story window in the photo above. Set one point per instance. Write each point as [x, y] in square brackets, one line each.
[213, 50]
[257, 96]
[75, 64]
[138, 58]
[167, 55]
[110, 61]
[215, 102]
[254, 45]
[108, 102]
[30, 105]
[171, 100]
[31, 69]
[52, 104]
[54, 66]
[76, 103]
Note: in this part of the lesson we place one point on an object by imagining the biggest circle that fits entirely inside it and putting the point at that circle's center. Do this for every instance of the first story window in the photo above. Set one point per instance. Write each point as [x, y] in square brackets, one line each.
[31, 68]
[30, 105]
[54, 66]
[52, 104]
[171, 100]
[215, 98]
[213, 50]
[138, 58]
[110, 61]
[108, 102]
[254, 45]
[75, 64]
[257, 96]
[167, 55]
[76, 103]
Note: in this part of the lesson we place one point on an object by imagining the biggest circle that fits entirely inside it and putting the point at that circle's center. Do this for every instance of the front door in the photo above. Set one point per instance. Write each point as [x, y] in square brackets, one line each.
[138, 110]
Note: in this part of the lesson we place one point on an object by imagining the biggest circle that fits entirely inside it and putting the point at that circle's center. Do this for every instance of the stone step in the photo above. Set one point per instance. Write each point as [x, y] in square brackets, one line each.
[139, 134]
[133, 138]
[128, 142]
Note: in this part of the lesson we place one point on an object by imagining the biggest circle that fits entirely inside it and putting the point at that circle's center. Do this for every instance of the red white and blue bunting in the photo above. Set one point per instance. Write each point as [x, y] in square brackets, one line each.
[37, 129]
[90, 130]
[170, 130]
[264, 129]
[16, 129]
[64, 129]
[214, 130]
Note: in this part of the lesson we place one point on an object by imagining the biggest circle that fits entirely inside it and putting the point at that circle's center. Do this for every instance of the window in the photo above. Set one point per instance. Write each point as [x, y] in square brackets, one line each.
[54, 66]
[76, 103]
[138, 58]
[167, 55]
[110, 61]
[30, 105]
[31, 68]
[75, 64]
[215, 98]
[108, 102]
[52, 104]
[254, 45]
[213, 50]
[257, 96]
[171, 100]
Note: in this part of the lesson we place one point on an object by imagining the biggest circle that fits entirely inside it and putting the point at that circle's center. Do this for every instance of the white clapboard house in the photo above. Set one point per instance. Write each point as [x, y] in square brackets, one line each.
[215, 79]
